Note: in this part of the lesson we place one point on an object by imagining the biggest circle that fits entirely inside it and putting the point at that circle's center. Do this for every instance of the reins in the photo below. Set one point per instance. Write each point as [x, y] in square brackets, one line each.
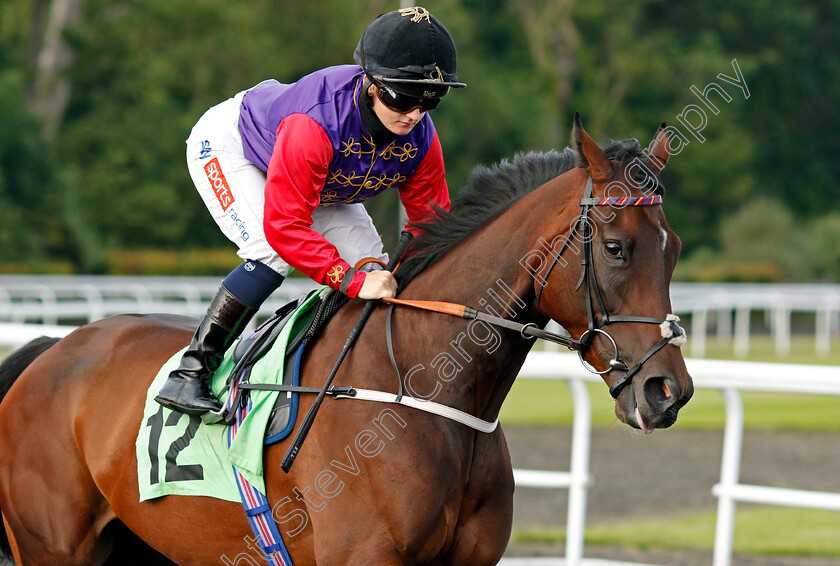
[309, 418]
[528, 330]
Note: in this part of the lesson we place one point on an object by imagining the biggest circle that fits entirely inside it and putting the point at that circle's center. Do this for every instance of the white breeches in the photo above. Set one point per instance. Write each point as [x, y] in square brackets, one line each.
[233, 189]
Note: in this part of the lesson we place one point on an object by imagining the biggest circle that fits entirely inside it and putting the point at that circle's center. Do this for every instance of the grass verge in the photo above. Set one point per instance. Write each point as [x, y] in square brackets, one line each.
[763, 349]
[549, 403]
[758, 530]
[534, 402]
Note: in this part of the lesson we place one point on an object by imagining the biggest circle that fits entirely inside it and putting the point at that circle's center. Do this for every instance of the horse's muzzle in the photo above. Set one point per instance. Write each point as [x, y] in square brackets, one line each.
[653, 402]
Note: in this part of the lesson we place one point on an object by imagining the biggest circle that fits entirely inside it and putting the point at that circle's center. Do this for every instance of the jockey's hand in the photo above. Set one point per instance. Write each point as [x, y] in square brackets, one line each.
[378, 284]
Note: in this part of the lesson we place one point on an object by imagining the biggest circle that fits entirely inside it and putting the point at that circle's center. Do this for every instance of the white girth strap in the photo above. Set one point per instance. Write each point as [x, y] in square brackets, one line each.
[428, 406]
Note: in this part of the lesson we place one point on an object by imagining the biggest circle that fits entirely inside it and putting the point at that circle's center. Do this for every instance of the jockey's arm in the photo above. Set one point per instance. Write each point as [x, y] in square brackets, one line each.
[296, 173]
[426, 188]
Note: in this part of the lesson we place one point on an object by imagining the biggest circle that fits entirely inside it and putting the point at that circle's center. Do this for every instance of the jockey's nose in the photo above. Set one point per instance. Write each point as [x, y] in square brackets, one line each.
[415, 113]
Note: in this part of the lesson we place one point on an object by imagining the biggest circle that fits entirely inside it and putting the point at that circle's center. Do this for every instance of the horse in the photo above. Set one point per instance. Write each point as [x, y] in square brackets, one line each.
[375, 483]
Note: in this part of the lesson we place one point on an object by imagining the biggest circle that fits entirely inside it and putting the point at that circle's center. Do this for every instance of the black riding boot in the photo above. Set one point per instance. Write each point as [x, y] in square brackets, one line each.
[186, 390]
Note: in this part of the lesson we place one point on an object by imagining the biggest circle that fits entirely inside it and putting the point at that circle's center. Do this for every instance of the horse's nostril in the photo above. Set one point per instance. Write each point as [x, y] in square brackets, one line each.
[660, 392]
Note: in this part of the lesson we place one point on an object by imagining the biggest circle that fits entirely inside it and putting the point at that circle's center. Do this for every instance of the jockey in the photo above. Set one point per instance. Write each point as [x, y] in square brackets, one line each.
[284, 169]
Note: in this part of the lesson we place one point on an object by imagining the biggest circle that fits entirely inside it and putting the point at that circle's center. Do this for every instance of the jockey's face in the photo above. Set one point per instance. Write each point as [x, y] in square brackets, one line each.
[397, 122]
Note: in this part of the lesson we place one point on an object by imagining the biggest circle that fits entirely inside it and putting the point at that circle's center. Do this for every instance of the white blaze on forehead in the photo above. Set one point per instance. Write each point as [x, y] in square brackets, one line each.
[663, 238]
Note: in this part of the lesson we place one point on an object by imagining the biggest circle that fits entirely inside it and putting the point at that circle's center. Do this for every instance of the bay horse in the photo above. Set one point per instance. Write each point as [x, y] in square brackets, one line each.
[375, 483]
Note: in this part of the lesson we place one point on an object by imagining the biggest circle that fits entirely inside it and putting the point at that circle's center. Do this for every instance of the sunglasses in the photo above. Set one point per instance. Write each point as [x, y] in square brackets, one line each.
[404, 103]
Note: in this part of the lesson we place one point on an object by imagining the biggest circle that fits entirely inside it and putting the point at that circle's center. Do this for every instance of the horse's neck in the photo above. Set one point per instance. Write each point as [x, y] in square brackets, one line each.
[484, 272]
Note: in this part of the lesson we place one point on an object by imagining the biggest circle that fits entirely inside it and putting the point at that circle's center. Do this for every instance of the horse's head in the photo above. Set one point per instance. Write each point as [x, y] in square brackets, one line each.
[618, 256]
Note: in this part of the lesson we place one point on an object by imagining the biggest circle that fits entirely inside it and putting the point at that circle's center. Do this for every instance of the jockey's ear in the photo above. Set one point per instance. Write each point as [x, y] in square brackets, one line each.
[590, 154]
[658, 153]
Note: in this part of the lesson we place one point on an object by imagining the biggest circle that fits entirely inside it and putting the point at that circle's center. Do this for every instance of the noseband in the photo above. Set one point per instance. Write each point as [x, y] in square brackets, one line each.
[671, 332]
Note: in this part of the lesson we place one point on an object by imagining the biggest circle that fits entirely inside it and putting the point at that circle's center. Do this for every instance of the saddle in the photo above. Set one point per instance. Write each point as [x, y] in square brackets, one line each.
[252, 348]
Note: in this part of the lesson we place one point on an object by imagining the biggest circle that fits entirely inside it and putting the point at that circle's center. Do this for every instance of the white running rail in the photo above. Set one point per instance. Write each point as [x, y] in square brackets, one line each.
[731, 308]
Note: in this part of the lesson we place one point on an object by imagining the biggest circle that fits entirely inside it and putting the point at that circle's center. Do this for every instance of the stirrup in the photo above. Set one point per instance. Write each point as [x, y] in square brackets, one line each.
[216, 417]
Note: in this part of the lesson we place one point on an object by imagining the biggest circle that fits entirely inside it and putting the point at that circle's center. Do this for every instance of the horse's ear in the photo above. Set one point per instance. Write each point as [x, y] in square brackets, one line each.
[590, 154]
[658, 154]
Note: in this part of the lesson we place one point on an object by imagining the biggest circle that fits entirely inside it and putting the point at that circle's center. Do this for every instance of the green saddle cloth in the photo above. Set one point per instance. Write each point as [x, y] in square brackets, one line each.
[178, 454]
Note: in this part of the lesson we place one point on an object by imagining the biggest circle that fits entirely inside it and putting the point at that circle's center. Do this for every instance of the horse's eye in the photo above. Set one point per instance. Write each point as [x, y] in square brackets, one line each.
[613, 249]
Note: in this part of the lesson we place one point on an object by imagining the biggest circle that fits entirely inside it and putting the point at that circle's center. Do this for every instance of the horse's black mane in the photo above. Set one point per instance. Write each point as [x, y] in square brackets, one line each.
[492, 190]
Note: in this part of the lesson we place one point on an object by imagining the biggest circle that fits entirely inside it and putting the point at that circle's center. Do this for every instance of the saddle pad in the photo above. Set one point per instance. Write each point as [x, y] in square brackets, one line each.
[178, 454]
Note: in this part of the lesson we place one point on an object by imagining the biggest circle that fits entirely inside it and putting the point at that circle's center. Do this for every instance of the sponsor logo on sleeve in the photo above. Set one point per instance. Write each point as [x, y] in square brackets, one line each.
[205, 150]
[219, 183]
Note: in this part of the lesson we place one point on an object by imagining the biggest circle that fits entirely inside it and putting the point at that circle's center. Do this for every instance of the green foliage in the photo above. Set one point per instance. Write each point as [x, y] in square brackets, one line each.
[707, 265]
[764, 242]
[144, 71]
[764, 229]
[14, 31]
[29, 189]
[218, 262]
[823, 249]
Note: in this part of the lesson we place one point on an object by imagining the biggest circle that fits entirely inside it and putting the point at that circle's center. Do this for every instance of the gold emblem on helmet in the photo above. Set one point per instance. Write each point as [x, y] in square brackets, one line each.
[417, 13]
[435, 76]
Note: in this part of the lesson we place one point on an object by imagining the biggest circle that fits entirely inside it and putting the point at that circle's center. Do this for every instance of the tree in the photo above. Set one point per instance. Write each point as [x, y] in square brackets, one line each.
[822, 246]
[31, 227]
[141, 73]
[49, 58]
[791, 123]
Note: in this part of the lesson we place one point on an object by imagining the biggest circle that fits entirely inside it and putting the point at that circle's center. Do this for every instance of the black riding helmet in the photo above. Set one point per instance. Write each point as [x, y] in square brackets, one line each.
[410, 51]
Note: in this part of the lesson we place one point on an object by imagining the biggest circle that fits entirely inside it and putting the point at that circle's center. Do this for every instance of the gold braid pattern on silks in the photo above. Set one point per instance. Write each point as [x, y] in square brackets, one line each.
[362, 149]
[353, 147]
[403, 153]
[417, 13]
[372, 183]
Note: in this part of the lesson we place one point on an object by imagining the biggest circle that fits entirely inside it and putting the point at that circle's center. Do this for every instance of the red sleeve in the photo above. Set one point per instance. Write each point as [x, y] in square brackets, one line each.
[296, 174]
[427, 186]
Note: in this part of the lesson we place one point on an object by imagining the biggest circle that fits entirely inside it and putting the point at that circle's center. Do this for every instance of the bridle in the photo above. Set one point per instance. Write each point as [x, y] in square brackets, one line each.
[671, 332]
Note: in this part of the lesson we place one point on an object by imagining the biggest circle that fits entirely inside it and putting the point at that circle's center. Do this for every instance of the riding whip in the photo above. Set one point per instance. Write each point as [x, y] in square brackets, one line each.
[306, 424]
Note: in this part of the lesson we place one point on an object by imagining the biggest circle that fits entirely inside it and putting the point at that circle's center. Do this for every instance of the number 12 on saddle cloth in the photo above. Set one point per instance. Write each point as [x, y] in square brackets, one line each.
[178, 454]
